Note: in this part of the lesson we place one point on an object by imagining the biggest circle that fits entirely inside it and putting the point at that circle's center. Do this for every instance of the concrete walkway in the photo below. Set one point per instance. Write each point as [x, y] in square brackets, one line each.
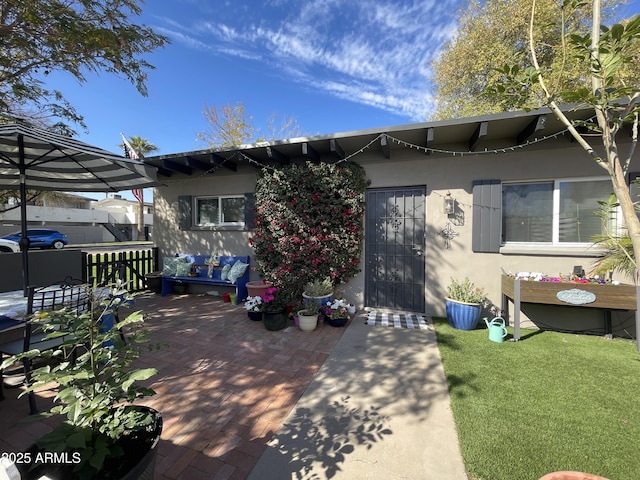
[379, 408]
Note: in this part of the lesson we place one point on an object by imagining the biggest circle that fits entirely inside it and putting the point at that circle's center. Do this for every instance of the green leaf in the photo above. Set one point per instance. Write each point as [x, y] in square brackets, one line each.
[138, 375]
[76, 440]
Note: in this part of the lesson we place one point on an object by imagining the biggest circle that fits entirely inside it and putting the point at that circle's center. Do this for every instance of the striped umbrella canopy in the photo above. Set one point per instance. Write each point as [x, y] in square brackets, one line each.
[32, 158]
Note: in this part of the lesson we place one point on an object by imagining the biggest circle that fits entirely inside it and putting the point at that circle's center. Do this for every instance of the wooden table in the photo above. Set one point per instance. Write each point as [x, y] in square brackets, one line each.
[590, 295]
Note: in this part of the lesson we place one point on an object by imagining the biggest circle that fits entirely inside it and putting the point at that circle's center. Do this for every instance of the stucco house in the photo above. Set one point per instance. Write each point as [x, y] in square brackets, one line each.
[462, 198]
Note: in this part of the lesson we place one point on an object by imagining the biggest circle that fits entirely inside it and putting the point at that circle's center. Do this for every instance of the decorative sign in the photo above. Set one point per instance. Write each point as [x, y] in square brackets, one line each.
[449, 234]
[575, 296]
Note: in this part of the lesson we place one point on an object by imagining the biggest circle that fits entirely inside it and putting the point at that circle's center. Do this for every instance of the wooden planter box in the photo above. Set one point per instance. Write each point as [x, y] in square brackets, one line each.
[590, 295]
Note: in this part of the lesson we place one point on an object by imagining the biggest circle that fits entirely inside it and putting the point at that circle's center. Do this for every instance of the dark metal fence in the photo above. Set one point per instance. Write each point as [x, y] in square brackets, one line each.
[130, 267]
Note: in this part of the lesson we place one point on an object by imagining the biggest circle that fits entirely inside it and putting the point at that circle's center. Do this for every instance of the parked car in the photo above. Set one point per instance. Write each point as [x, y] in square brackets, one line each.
[42, 238]
[8, 246]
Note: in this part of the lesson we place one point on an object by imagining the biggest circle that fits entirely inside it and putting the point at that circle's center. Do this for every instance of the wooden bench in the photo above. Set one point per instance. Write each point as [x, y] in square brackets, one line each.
[202, 269]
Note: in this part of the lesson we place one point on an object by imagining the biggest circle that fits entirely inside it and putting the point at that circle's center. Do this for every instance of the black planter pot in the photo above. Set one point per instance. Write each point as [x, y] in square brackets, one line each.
[154, 282]
[255, 316]
[137, 463]
[274, 320]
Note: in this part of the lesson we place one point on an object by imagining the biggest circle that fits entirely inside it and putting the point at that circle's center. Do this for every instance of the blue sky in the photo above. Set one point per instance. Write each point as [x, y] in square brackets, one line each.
[334, 65]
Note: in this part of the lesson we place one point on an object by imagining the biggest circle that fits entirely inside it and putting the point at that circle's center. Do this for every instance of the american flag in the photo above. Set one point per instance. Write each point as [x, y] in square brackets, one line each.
[129, 152]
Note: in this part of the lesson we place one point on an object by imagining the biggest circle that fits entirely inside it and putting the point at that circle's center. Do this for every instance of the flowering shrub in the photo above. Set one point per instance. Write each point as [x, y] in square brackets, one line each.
[338, 309]
[309, 223]
[253, 304]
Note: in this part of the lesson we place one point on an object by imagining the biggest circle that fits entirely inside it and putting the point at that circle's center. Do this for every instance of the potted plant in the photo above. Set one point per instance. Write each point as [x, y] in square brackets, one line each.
[321, 290]
[104, 434]
[154, 281]
[254, 307]
[256, 288]
[308, 316]
[463, 304]
[337, 313]
[274, 313]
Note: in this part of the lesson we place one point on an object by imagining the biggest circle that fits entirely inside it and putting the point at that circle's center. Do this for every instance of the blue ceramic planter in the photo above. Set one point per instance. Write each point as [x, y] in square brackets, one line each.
[463, 316]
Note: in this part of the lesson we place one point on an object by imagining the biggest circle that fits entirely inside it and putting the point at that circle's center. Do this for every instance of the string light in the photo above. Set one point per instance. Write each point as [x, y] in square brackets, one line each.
[405, 144]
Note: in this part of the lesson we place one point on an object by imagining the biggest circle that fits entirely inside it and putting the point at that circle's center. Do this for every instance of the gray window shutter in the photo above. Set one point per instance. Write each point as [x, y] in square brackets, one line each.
[185, 213]
[487, 216]
[249, 210]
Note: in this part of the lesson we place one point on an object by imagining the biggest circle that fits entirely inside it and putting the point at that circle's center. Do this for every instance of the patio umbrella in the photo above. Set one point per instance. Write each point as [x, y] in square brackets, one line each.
[40, 160]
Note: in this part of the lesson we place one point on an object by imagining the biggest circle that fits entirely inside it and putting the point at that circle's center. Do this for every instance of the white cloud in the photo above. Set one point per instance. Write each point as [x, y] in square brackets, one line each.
[377, 53]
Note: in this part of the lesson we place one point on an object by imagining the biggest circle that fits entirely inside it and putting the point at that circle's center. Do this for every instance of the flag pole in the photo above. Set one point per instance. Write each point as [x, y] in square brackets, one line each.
[138, 193]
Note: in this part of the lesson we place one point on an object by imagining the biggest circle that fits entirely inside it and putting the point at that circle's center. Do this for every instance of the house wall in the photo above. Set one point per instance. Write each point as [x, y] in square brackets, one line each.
[167, 234]
[550, 160]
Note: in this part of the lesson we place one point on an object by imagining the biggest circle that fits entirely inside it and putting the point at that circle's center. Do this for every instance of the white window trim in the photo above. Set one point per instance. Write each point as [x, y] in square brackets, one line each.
[196, 211]
[555, 246]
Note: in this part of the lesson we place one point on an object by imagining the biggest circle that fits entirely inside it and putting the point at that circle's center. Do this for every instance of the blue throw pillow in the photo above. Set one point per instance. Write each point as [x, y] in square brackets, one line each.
[237, 271]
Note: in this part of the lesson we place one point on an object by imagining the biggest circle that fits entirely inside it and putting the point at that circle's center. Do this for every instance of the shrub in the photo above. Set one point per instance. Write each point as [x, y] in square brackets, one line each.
[309, 223]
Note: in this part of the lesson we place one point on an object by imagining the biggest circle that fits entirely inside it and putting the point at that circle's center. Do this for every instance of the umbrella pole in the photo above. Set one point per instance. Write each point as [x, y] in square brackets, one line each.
[24, 240]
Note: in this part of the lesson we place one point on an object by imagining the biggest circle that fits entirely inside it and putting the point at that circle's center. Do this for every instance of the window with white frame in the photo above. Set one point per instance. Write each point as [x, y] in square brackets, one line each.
[554, 212]
[219, 211]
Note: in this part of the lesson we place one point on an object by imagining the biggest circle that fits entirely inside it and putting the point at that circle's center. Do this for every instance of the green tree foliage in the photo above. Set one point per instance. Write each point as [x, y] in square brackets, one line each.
[608, 53]
[142, 146]
[309, 224]
[75, 36]
[495, 33]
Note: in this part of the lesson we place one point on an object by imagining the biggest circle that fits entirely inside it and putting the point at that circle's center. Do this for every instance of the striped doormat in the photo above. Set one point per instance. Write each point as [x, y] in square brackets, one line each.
[397, 320]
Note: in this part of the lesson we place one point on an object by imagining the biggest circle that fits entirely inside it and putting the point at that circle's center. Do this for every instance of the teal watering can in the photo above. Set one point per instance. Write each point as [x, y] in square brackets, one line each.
[497, 330]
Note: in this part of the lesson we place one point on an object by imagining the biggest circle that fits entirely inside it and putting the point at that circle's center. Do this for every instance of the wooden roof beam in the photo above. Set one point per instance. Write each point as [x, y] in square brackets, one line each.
[430, 134]
[481, 131]
[279, 157]
[310, 153]
[384, 145]
[197, 164]
[336, 149]
[177, 167]
[217, 160]
[535, 125]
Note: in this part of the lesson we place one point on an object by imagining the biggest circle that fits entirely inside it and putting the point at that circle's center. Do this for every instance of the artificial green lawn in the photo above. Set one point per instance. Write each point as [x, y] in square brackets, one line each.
[552, 401]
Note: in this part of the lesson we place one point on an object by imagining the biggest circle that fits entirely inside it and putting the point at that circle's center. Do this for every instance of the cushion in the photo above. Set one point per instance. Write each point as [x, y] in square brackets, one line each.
[237, 271]
[169, 265]
[183, 269]
[224, 274]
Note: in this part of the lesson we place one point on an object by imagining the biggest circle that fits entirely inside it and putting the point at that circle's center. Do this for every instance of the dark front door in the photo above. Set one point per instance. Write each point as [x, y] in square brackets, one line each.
[394, 248]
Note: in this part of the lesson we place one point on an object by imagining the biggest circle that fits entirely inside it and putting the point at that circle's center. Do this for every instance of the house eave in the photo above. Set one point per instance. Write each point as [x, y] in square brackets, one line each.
[465, 135]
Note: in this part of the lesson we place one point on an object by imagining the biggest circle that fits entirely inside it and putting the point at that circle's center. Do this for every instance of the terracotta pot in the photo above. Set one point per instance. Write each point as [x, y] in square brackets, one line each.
[257, 288]
[569, 475]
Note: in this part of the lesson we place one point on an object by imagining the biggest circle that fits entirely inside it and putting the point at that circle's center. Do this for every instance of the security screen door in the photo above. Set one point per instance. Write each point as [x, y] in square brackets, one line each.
[394, 248]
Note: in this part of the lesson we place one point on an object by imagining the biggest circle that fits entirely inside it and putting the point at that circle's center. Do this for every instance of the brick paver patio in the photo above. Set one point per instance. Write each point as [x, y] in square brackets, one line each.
[224, 386]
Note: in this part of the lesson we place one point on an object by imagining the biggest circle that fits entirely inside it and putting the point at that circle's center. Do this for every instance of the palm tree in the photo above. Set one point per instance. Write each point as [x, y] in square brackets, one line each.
[141, 147]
